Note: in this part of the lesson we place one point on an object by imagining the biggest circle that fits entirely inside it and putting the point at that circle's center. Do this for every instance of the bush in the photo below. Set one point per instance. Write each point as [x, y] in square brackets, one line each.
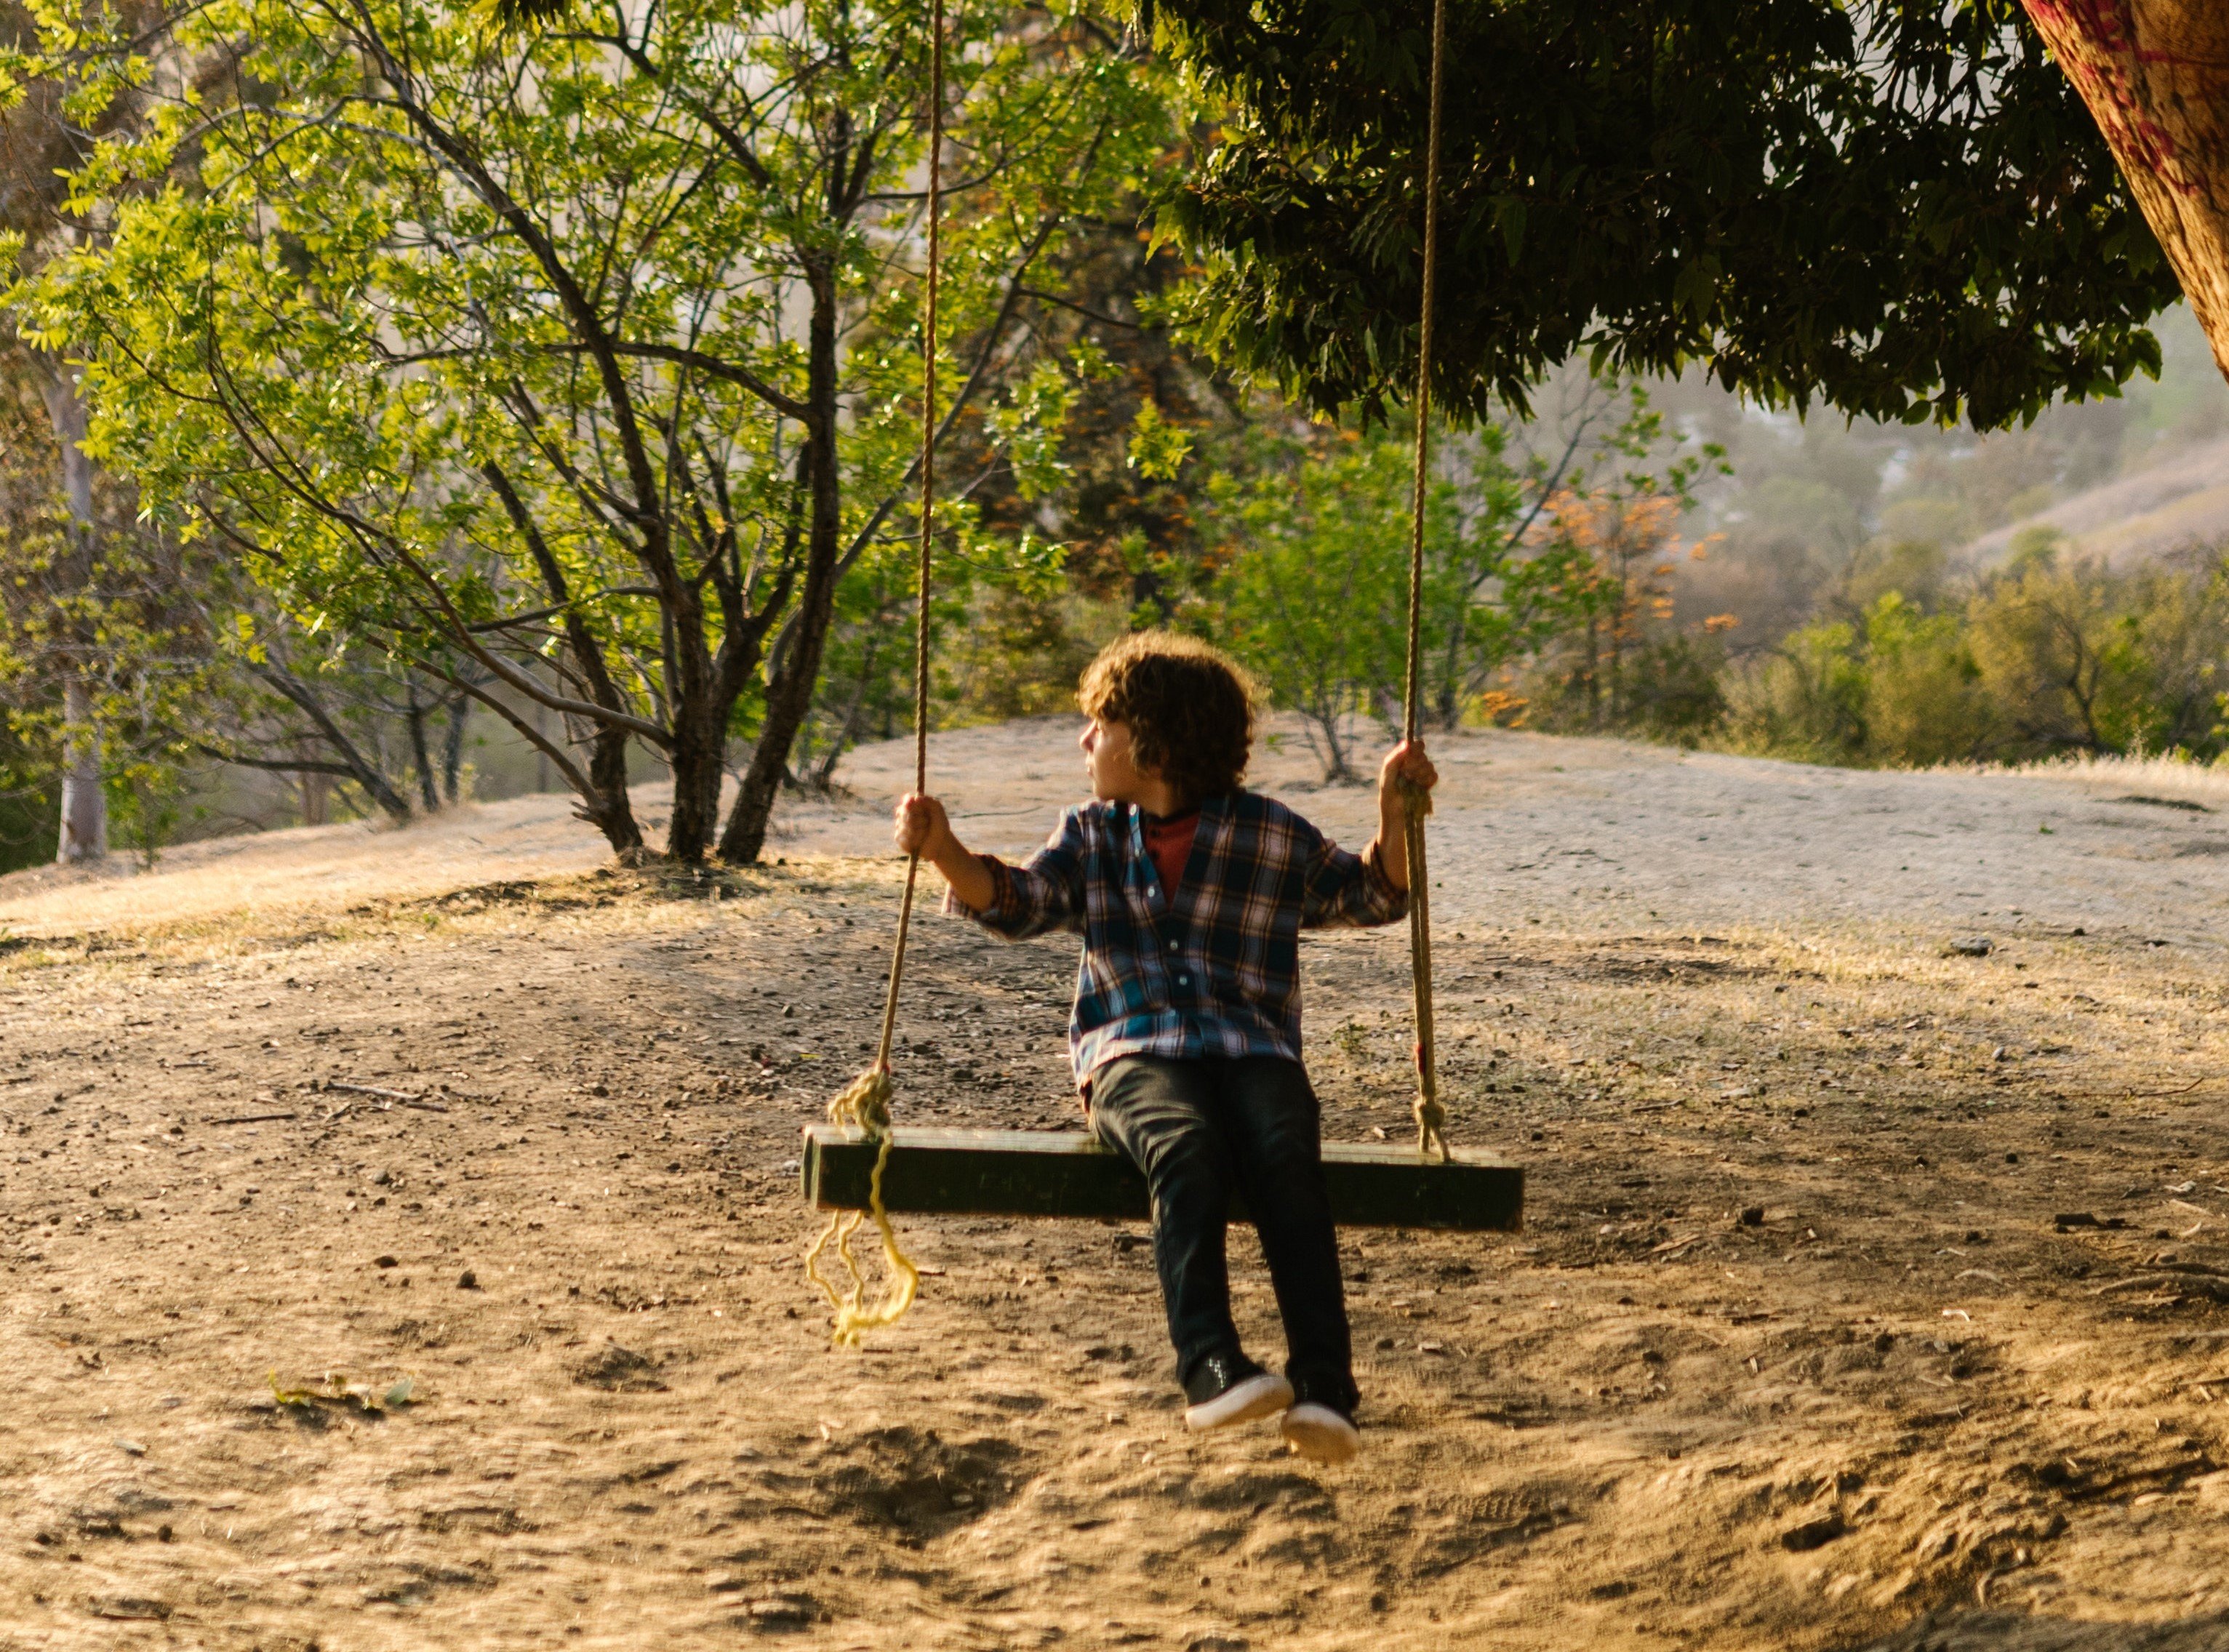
[1925, 701]
[2048, 657]
[1804, 698]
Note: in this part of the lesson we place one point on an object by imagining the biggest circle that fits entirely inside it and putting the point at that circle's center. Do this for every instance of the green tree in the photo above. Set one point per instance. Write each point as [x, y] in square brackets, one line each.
[1899, 206]
[56, 613]
[1315, 597]
[575, 367]
[106, 657]
[2081, 659]
[1925, 698]
[1802, 698]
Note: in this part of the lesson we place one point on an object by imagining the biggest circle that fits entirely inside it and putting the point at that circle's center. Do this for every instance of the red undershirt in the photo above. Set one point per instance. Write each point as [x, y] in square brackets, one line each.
[1169, 842]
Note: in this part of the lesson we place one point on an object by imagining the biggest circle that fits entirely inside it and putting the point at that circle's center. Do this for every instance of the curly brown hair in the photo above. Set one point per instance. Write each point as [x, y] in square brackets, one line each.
[1189, 708]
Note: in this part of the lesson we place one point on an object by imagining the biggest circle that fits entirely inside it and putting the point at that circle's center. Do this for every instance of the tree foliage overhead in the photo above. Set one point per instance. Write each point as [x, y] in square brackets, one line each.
[1896, 207]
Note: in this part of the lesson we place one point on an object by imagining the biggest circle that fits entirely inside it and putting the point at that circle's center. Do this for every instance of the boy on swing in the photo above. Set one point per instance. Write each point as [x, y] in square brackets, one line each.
[1190, 892]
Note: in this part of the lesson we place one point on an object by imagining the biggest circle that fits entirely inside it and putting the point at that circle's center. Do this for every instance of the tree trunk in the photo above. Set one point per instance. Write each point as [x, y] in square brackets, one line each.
[430, 793]
[610, 809]
[698, 757]
[2155, 75]
[613, 809]
[84, 834]
[790, 694]
[453, 749]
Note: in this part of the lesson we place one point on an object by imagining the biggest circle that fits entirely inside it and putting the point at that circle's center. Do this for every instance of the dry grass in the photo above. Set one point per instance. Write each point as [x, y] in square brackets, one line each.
[2152, 776]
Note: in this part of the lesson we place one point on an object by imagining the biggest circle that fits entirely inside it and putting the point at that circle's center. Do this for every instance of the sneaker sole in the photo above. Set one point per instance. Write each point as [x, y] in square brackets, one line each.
[1258, 1396]
[1321, 1434]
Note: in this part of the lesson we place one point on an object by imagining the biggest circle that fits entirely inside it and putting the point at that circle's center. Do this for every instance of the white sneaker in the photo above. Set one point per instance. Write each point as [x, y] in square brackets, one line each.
[1259, 1395]
[1321, 1434]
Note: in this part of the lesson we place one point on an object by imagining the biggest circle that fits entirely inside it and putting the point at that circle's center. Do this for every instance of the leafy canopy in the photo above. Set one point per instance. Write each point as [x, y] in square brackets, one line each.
[1897, 207]
[512, 345]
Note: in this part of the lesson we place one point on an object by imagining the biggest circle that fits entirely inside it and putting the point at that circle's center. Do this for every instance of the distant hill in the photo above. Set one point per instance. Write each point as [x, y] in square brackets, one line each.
[2184, 499]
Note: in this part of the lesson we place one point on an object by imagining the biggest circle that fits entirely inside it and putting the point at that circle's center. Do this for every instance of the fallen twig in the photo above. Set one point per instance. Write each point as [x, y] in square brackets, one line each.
[2140, 1095]
[253, 1118]
[404, 1097]
[2175, 1281]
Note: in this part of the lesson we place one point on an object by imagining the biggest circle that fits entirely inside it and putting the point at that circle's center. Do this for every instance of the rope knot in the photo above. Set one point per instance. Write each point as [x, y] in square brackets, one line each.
[1431, 1127]
[865, 1102]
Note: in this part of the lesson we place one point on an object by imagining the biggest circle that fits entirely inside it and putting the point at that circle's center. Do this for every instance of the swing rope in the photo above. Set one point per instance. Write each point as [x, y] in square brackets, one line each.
[865, 1101]
[1431, 1116]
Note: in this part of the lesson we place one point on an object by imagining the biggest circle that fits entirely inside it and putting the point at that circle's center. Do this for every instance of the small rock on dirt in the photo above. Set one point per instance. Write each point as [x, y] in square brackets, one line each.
[781, 1611]
[619, 1370]
[129, 1607]
[2068, 1220]
[1974, 946]
[1812, 1534]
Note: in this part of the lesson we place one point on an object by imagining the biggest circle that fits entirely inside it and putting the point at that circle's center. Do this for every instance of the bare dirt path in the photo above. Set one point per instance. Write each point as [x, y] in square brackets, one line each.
[1794, 1353]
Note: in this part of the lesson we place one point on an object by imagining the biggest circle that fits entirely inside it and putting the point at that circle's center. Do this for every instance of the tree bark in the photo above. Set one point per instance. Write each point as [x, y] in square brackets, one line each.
[453, 749]
[790, 694]
[2155, 76]
[429, 794]
[84, 834]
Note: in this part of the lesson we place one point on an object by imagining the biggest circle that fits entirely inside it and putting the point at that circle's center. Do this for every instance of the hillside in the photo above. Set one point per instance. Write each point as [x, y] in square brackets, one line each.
[2180, 500]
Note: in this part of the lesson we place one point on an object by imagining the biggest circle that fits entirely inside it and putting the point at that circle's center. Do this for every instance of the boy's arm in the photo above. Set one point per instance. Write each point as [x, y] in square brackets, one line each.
[1043, 894]
[925, 829]
[1372, 888]
[1404, 763]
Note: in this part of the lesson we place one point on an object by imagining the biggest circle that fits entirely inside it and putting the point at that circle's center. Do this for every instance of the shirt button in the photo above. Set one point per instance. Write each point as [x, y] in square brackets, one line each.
[1172, 946]
[1183, 981]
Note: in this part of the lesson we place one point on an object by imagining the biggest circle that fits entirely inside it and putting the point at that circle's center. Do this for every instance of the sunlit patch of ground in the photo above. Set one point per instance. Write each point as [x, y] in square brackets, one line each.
[1796, 1350]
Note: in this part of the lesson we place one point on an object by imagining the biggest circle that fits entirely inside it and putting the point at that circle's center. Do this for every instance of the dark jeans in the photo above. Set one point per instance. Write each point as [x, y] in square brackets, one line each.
[1201, 1131]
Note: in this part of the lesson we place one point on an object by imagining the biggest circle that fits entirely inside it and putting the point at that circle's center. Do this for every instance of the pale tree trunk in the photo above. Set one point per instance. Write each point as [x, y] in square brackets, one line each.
[85, 800]
[2155, 76]
[84, 834]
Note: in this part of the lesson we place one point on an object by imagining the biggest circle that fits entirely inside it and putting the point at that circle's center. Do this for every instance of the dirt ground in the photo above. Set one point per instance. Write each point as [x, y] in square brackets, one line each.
[1872, 1294]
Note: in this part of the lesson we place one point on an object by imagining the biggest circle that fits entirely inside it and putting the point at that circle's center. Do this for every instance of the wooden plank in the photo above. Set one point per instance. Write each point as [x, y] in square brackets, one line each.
[1068, 1173]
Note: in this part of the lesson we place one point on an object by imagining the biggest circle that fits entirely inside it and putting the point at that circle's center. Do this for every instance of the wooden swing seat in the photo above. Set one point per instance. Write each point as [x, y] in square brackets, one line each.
[1068, 1173]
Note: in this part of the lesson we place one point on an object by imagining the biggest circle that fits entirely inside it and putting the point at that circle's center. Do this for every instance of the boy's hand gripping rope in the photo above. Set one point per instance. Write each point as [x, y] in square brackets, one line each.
[865, 1101]
[1431, 1116]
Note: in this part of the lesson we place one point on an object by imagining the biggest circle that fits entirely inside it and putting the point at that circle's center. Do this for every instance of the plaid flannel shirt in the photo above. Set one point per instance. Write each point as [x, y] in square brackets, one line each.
[1218, 972]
